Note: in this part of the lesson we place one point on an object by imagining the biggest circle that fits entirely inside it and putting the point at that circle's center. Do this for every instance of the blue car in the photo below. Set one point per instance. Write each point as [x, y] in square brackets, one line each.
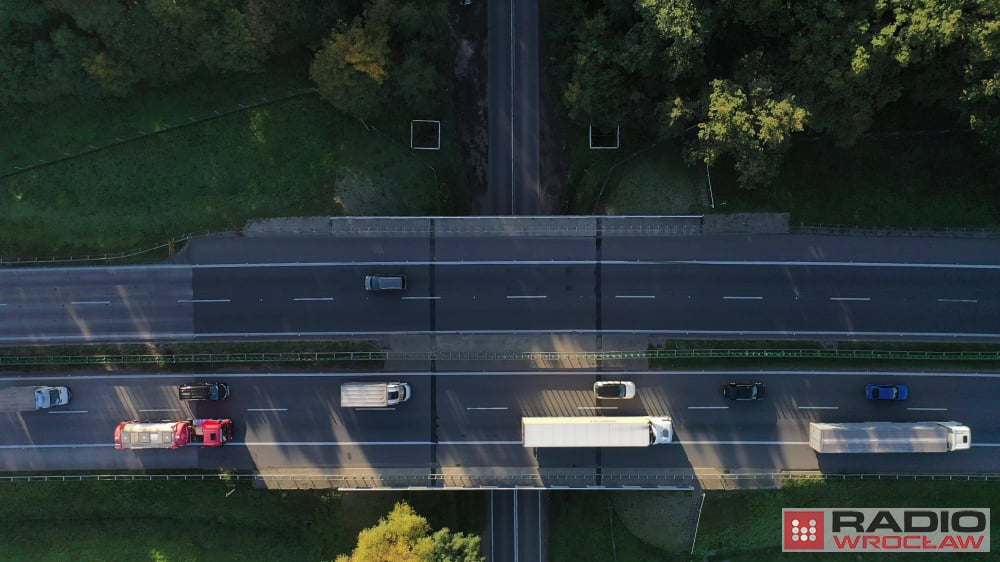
[887, 392]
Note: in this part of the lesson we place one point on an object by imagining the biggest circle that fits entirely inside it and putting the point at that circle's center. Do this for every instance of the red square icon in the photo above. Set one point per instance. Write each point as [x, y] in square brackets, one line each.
[801, 530]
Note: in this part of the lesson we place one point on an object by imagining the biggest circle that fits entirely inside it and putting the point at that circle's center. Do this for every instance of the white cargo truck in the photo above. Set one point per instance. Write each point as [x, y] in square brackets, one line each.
[638, 431]
[373, 394]
[889, 437]
[30, 398]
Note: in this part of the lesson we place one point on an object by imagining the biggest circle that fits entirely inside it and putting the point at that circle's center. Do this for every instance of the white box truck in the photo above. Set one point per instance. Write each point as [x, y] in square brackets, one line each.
[889, 437]
[638, 431]
[373, 394]
[30, 398]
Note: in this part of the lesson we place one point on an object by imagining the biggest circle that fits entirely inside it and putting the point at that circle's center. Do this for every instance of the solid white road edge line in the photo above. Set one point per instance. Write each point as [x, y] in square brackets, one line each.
[818, 373]
[556, 263]
[418, 443]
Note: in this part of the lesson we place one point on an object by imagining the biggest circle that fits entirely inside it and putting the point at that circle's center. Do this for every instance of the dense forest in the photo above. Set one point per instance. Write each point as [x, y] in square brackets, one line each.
[737, 78]
[368, 54]
[730, 78]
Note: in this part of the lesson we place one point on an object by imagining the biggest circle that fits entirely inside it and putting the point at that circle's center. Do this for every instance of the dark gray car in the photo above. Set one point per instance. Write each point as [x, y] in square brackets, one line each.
[203, 391]
[385, 283]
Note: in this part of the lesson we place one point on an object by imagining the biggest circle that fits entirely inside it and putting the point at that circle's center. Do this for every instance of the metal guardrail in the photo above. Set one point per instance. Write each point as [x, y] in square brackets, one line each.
[511, 226]
[534, 356]
[432, 479]
[74, 260]
[947, 232]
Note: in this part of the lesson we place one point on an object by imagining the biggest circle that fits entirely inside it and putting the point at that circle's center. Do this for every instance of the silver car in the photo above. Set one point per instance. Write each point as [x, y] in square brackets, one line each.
[611, 390]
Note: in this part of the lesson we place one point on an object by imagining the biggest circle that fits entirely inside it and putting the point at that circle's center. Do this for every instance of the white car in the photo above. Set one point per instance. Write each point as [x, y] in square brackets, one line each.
[621, 390]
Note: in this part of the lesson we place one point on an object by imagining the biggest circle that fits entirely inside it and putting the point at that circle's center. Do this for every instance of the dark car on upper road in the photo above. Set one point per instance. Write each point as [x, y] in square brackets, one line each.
[385, 283]
[744, 391]
[887, 392]
[614, 389]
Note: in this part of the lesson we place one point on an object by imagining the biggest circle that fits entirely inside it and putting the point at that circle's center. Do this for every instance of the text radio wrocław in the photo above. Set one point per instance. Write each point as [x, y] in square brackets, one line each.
[965, 529]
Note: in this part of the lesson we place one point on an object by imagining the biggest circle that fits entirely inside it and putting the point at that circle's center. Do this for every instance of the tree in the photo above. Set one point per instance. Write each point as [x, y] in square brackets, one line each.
[420, 32]
[419, 85]
[455, 547]
[684, 29]
[115, 76]
[981, 97]
[750, 124]
[216, 29]
[599, 91]
[229, 45]
[352, 67]
[405, 536]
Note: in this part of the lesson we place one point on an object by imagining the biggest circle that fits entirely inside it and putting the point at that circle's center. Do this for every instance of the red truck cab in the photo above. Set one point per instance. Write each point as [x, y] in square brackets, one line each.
[213, 433]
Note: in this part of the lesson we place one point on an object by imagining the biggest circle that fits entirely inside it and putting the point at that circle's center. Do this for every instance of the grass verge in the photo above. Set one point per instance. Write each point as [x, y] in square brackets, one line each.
[927, 182]
[656, 182]
[745, 526]
[291, 158]
[584, 527]
[765, 362]
[654, 517]
[180, 521]
[178, 356]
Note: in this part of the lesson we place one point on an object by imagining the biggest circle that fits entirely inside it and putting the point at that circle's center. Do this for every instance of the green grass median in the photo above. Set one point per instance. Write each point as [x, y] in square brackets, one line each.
[194, 521]
[745, 526]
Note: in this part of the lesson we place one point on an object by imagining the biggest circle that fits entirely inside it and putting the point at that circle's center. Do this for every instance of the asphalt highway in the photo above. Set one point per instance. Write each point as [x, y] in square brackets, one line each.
[295, 421]
[778, 287]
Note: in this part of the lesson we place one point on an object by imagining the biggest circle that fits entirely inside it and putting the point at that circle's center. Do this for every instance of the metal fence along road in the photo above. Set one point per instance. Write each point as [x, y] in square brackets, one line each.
[383, 356]
[496, 480]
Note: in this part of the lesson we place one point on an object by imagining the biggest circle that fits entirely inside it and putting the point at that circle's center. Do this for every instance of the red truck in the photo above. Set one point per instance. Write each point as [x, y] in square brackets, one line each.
[172, 434]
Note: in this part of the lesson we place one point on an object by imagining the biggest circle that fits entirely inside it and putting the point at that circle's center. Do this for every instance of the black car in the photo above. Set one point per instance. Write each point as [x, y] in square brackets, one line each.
[203, 391]
[744, 391]
[623, 390]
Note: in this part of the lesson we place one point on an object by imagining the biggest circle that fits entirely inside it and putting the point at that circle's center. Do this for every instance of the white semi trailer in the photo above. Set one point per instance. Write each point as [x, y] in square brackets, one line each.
[889, 437]
[638, 431]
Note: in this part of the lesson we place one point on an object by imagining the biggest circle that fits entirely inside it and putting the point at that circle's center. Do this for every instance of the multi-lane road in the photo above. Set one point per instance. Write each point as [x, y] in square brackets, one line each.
[764, 287]
[706, 286]
[472, 419]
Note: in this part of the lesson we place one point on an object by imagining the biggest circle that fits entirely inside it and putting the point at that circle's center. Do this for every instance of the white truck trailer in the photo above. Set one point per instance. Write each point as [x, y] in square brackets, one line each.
[638, 431]
[889, 437]
[30, 398]
[373, 394]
